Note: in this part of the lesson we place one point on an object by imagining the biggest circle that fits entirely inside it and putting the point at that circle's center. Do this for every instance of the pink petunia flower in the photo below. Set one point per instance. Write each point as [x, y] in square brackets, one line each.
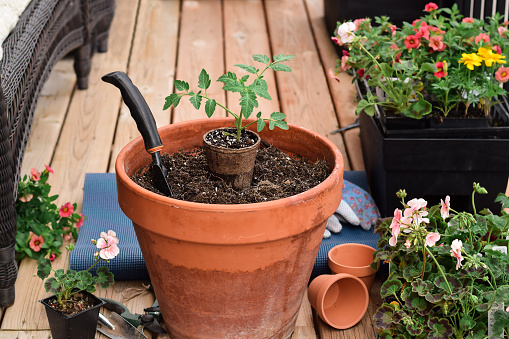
[502, 30]
[358, 22]
[440, 73]
[507, 309]
[36, 242]
[336, 41]
[456, 252]
[345, 32]
[345, 53]
[502, 74]
[482, 37]
[107, 245]
[333, 75]
[80, 221]
[412, 41]
[52, 257]
[66, 210]
[431, 239]
[497, 49]
[468, 20]
[420, 22]
[49, 169]
[393, 29]
[422, 32]
[344, 65]
[431, 7]
[26, 198]
[446, 205]
[436, 42]
[36, 176]
[408, 243]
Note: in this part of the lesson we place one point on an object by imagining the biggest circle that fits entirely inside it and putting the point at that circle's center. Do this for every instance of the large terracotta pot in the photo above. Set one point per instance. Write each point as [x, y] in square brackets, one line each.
[230, 271]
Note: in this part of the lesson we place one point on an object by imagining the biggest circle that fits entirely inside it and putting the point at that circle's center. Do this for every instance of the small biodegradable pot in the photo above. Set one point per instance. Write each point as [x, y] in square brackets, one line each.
[234, 165]
[82, 325]
[354, 259]
[341, 300]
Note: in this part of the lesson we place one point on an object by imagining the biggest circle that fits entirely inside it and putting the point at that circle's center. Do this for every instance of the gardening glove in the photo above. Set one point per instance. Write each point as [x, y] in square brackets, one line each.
[356, 208]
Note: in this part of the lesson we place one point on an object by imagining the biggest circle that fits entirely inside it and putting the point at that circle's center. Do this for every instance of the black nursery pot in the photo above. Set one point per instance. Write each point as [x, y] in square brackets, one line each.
[82, 325]
[432, 168]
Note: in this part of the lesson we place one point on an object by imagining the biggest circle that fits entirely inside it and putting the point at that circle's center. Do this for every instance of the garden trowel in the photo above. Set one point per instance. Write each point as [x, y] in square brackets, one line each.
[116, 327]
[146, 125]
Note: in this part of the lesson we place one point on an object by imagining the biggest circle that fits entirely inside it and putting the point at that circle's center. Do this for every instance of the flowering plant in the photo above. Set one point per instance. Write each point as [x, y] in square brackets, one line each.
[438, 63]
[449, 271]
[65, 284]
[41, 227]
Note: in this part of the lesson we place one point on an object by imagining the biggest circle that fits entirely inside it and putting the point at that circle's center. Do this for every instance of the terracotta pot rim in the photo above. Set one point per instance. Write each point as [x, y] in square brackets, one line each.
[295, 199]
[365, 270]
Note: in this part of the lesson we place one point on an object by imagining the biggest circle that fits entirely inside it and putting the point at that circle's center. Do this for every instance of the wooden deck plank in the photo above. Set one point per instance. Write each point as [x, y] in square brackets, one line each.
[84, 146]
[200, 47]
[305, 327]
[353, 146]
[303, 93]
[245, 35]
[49, 116]
[151, 66]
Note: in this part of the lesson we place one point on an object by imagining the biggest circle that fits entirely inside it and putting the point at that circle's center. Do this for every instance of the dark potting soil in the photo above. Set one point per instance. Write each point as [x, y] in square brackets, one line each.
[78, 302]
[216, 137]
[276, 175]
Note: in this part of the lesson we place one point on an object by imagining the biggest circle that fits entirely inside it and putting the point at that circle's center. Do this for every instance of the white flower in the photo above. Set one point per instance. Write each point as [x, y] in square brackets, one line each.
[346, 32]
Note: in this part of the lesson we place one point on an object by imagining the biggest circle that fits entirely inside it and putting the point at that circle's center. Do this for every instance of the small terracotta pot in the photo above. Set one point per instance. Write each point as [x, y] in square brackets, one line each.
[354, 259]
[341, 300]
[235, 166]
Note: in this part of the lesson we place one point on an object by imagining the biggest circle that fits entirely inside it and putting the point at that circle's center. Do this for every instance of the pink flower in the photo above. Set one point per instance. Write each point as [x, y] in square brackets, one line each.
[358, 22]
[52, 257]
[344, 66]
[456, 252]
[107, 245]
[436, 29]
[36, 176]
[446, 205]
[507, 309]
[418, 21]
[431, 239]
[333, 75]
[393, 241]
[346, 32]
[345, 53]
[423, 32]
[502, 74]
[468, 20]
[67, 236]
[79, 223]
[497, 49]
[412, 41]
[502, 30]
[436, 42]
[393, 29]
[336, 41]
[360, 72]
[66, 210]
[440, 73]
[407, 243]
[431, 7]
[417, 204]
[26, 198]
[49, 169]
[482, 37]
[36, 242]
[396, 222]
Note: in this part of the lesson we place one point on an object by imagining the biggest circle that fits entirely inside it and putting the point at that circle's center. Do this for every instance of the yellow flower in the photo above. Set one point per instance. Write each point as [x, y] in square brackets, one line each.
[470, 60]
[489, 57]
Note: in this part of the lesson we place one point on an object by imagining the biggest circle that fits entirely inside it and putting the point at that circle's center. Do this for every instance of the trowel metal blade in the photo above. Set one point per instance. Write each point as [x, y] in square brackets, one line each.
[123, 329]
[160, 180]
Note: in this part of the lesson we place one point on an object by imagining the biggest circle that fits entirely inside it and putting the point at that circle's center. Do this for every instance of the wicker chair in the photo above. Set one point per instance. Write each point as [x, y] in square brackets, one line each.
[46, 31]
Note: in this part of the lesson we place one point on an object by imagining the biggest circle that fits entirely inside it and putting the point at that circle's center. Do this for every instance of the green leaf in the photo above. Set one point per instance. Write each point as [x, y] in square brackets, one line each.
[172, 99]
[260, 125]
[44, 268]
[279, 124]
[203, 79]
[467, 323]
[210, 107]
[390, 287]
[261, 58]
[104, 277]
[503, 199]
[196, 100]
[84, 279]
[277, 116]
[428, 67]
[501, 322]
[233, 87]
[259, 86]
[225, 78]
[282, 57]
[248, 68]
[248, 102]
[181, 85]
[51, 285]
[363, 105]
[441, 328]
[280, 67]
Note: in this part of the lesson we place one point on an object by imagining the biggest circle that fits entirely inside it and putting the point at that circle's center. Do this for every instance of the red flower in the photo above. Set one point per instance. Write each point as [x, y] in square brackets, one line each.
[361, 73]
[502, 74]
[36, 176]
[468, 20]
[423, 32]
[431, 7]
[482, 37]
[49, 169]
[36, 242]
[497, 49]
[412, 41]
[437, 43]
[66, 210]
[345, 53]
[336, 41]
[440, 73]
[79, 223]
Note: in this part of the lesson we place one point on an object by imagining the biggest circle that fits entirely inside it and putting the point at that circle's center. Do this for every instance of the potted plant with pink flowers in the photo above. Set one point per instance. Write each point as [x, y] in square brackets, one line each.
[73, 310]
[433, 86]
[449, 271]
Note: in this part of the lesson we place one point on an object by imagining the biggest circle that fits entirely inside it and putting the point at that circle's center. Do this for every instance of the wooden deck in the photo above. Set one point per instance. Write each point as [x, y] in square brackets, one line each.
[155, 42]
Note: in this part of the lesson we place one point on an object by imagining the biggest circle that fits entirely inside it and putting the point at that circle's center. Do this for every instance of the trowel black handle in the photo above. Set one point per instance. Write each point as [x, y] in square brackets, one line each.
[139, 109]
